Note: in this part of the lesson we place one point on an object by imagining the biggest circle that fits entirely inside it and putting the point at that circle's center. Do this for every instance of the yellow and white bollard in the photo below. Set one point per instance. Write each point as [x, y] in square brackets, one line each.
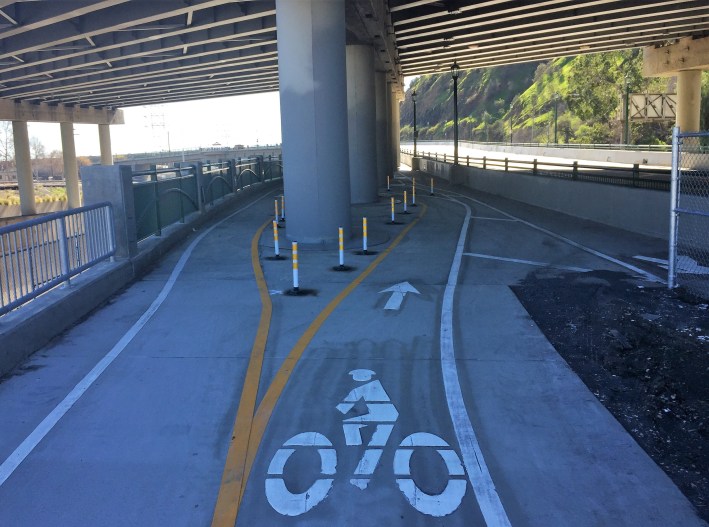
[431, 186]
[388, 186]
[341, 238]
[392, 210]
[405, 200]
[364, 235]
[275, 239]
[413, 192]
[283, 208]
[294, 248]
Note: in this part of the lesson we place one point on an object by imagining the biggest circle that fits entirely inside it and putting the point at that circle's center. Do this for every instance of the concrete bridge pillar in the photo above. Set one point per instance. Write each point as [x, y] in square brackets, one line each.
[361, 110]
[23, 163]
[71, 169]
[382, 134]
[313, 94]
[689, 98]
[395, 128]
[104, 137]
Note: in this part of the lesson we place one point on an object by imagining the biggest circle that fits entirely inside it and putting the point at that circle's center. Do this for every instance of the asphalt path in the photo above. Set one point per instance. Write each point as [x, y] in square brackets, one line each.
[452, 409]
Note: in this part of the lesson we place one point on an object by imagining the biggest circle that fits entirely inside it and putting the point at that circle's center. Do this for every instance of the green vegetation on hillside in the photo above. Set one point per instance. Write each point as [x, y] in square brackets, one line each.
[587, 92]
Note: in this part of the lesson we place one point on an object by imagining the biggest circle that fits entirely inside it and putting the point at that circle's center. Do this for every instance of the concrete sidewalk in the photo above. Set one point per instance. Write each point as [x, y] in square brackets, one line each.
[146, 444]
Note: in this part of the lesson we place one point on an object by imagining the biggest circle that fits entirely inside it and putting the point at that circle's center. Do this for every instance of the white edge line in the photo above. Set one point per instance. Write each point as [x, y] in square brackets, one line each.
[649, 276]
[528, 262]
[33, 439]
[478, 473]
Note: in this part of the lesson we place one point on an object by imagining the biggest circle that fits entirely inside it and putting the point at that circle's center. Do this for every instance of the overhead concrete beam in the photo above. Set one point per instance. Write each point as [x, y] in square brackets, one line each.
[666, 61]
[24, 111]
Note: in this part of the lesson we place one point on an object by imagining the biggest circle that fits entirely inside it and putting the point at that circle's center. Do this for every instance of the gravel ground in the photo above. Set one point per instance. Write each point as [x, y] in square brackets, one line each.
[644, 352]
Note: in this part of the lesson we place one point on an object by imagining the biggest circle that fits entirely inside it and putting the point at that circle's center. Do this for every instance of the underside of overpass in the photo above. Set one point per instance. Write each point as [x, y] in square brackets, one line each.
[81, 61]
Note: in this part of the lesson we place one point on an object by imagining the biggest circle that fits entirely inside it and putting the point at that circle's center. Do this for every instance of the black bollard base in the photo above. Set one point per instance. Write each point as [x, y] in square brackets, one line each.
[365, 253]
[298, 291]
[343, 268]
[276, 257]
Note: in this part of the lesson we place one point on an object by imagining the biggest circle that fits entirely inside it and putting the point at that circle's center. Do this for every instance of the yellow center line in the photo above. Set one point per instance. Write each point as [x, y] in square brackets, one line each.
[249, 427]
[233, 477]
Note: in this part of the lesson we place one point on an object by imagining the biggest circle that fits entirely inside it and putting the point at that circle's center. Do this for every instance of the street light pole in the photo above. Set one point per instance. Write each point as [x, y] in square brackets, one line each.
[455, 72]
[510, 119]
[626, 128]
[416, 132]
[556, 118]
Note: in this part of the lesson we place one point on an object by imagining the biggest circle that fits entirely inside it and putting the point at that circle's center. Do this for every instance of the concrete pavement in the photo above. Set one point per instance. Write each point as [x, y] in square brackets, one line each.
[363, 429]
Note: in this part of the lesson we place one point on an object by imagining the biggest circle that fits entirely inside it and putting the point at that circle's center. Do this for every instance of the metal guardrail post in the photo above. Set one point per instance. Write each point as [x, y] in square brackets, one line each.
[444, 158]
[198, 174]
[484, 162]
[636, 174]
[672, 258]
[534, 168]
[63, 250]
[575, 172]
[507, 164]
[232, 174]
[467, 161]
[156, 196]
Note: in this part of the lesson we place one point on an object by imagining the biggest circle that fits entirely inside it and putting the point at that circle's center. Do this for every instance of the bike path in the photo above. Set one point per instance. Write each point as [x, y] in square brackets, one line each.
[555, 455]
[145, 443]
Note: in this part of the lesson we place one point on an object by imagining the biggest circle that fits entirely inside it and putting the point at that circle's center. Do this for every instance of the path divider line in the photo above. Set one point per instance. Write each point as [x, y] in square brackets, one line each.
[268, 403]
[478, 473]
[233, 475]
[48, 423]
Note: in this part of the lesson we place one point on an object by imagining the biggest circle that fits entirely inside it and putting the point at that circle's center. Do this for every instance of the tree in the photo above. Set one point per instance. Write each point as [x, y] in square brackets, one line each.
[7, 144]
[37, 148]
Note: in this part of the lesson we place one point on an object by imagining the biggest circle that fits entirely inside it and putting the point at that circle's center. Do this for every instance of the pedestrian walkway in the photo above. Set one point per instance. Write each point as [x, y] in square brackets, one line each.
[409, 388]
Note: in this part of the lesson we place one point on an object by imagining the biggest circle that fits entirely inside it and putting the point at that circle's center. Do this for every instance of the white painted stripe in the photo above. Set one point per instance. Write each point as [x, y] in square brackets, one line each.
[31, 441]
[478, 473]
[308, 439]
[492, 219]
[650, 259]
[649, 276]
[528, 262]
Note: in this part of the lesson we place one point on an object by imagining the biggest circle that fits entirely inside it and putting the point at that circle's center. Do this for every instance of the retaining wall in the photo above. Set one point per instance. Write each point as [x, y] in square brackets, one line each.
[637, 210]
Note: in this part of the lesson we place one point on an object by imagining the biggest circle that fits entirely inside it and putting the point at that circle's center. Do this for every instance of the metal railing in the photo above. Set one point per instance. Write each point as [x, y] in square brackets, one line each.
[636, 176]
[584, 146]
[164, 196]
[40, 254]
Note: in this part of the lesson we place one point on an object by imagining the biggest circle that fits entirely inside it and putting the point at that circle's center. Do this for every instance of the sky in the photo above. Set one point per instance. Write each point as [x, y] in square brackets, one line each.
[245, 120]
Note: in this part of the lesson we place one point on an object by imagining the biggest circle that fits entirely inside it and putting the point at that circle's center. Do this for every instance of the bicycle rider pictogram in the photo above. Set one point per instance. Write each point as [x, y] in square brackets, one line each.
[366, 405]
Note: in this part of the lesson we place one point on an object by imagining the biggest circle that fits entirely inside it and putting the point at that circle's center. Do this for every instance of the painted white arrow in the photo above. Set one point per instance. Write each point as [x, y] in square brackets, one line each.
[398, 292]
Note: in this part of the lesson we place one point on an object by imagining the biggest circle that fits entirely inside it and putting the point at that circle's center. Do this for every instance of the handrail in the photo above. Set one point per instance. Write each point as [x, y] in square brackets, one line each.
[40, 254]
[635, 176]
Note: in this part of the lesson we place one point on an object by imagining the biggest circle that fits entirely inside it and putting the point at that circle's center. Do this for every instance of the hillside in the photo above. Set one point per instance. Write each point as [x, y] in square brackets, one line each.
[587, 91]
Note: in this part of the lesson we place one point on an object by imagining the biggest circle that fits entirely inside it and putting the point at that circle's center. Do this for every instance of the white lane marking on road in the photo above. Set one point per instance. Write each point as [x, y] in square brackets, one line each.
[31, 441]
[649, 276]
[651, 260]
[398, 292]
[478, 473]
[528, 262]
[492, 219]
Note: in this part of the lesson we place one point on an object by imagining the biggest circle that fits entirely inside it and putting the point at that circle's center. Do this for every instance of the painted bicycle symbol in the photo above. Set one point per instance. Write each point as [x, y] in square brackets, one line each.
[368, 405]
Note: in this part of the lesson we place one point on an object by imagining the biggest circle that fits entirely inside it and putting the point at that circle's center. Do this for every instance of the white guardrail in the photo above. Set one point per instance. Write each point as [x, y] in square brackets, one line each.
[40, 254]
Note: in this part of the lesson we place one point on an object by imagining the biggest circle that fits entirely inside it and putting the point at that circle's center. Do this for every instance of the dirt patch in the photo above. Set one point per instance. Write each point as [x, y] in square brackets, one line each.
[644, 352]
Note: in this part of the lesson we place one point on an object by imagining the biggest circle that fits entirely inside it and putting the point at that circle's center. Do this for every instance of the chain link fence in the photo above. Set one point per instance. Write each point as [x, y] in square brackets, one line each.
[689, 236]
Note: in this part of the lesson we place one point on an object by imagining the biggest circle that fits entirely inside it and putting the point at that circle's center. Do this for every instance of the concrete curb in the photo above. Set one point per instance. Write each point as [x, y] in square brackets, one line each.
[31, 327]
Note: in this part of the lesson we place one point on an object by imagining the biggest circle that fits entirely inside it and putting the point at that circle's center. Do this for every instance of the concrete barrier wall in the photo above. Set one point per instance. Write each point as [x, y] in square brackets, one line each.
[636, 210]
